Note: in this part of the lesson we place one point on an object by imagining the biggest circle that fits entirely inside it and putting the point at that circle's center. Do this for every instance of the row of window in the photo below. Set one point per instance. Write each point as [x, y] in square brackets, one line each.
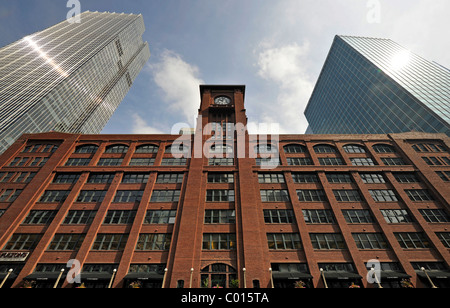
[217, 216]
[263, 148]
[344, 195]
[226, 241]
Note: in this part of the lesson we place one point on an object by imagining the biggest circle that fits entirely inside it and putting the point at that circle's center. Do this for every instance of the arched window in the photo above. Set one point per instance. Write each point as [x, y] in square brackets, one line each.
[86, 148]
[147, 149]
[265, 149]
[221, 149]
[354, 148]
[383, 148]
[294, 148]
[117, 148]
[219, 275]
[324, 148]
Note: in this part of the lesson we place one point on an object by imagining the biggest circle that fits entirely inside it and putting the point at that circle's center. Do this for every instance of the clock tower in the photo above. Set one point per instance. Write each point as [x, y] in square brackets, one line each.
[231, 248]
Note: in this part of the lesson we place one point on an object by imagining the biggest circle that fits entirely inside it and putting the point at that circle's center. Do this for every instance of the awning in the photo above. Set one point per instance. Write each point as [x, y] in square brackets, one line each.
[393, 275]
[95, 276]
[341, 275]
[44, 276]
[11, 276]
[144, 276]
[434, 274]
[291, 276]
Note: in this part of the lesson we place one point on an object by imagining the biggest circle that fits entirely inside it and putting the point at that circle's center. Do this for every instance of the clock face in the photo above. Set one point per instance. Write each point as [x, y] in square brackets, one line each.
[222, 100]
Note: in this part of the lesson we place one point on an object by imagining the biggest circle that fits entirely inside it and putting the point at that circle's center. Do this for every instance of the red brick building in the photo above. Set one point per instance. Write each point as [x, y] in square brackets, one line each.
[222, 207]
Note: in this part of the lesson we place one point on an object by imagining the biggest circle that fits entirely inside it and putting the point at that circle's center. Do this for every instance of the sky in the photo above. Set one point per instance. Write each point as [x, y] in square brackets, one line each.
[276, 48]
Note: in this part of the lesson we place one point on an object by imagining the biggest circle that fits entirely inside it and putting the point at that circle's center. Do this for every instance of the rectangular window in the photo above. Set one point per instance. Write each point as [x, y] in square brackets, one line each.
[311, 195]
[39, 217]
[339, 178]
[347, 195]
[299, 161]
[318, 216]
[396, 216]
[165, 196]
[445, 238]
[220, 161]
[327, 241]
[119, 217]
[274, 195]
[444, 175]
[278, 216]
[54, 196]
[435, 216]
[66, 178]
[160, 217]
[305, 178]
[412, 240]
[25, 177]
[79, 217]
[357, 216]
[406, 177]
[110, 162]
[362, 161]
[219, 195]
[271, 178]
[9, 195]
[219, 241]
[91, 196]
[419, 195]
[174, 162]
[383, 195]
[148, 242]
[110, 242]
[170, 178]
[66, 242]
[142, 162]
[78, 161]
[220, 216]
[23, 242]
[370, 240]
[101, 178]
[283, 241]
[135, 178]
[372, 178]
[128, 196]
[331, 161]
[393, 161]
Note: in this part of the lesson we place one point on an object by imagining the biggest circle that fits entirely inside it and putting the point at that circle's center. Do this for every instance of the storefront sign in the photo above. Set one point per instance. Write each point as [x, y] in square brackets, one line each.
[13, 256]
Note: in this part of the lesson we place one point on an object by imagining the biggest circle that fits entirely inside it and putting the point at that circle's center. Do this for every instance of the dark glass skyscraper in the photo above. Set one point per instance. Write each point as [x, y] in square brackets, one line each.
[70, 77]
[375, 86]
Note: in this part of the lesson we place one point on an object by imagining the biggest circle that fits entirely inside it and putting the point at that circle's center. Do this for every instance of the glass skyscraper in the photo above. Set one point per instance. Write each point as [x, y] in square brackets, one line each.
[375, 86]
[70, 77]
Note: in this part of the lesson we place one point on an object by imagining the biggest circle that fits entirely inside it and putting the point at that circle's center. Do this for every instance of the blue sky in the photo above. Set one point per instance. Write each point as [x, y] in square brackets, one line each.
[274, 47]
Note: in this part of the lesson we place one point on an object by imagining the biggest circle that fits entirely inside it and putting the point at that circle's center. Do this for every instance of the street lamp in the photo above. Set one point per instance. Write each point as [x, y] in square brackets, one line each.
[323, 277]
[59, 278]
[429, 279]
[6, 278]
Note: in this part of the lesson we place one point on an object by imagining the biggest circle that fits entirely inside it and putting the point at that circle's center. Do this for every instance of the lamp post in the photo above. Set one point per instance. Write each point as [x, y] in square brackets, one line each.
[190, 281]
[323, 277]
[112, 278]
[271, 278]
[6, 278]
[245, 280]
[372, 272]
[429, 279]
[164, 279]
[59, 278]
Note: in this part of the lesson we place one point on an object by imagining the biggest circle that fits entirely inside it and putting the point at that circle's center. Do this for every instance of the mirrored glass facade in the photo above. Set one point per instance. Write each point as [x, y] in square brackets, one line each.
[375, 86]
[70, 77]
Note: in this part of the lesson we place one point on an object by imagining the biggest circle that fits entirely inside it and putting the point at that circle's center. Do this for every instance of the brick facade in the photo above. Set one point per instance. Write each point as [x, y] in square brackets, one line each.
[219, 251]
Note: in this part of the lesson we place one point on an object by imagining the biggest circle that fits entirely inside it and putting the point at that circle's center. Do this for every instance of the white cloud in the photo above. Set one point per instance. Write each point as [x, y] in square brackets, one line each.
[179, 82]
[286, 68]
[141, 127]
